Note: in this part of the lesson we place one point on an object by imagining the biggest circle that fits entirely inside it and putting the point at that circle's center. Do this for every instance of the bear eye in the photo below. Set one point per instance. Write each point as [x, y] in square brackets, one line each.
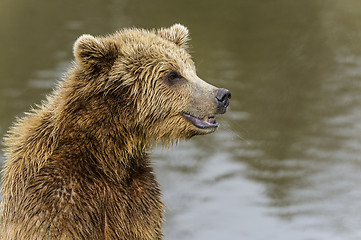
[173, 77]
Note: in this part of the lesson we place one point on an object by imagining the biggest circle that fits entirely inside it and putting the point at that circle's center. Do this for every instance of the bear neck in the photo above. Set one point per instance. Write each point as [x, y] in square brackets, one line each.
[101, 127]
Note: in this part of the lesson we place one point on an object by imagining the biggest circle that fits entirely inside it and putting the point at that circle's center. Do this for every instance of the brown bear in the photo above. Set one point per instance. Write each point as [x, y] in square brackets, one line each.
[77, 167]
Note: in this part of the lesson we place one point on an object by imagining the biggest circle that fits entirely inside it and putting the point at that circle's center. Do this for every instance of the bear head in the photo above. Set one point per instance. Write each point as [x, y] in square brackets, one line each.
[152, 79]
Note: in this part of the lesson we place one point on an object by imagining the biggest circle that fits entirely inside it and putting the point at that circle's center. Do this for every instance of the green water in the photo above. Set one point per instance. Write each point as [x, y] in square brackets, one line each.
[286, 160]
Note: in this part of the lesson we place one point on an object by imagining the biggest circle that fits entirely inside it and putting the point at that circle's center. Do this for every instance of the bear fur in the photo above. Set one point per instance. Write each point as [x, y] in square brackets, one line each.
[77, 166]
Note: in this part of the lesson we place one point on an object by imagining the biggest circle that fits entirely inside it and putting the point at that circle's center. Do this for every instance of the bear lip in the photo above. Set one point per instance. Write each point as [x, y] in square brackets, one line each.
[203, 123]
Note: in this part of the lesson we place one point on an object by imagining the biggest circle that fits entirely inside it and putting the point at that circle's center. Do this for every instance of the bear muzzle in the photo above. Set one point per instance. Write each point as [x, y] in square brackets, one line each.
[208, 121]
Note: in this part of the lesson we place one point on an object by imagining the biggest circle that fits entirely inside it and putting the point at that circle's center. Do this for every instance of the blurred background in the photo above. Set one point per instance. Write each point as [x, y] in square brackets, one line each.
[285, 162]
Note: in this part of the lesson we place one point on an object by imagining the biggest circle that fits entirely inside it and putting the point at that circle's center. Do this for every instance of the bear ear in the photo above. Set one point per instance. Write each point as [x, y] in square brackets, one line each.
[94, 53]
[176, 33]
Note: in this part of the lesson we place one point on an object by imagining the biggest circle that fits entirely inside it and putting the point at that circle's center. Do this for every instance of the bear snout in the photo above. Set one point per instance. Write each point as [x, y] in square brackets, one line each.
[222, 98]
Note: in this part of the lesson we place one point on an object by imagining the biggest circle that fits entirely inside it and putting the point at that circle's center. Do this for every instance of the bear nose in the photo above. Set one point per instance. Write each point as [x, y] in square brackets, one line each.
[222, 97]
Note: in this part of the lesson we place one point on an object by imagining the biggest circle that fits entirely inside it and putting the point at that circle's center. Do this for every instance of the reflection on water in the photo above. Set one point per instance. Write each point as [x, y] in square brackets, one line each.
[285, 162]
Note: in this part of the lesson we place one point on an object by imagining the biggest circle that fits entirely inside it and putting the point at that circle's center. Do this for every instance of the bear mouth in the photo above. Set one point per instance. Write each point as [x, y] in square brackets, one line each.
[203, 123]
